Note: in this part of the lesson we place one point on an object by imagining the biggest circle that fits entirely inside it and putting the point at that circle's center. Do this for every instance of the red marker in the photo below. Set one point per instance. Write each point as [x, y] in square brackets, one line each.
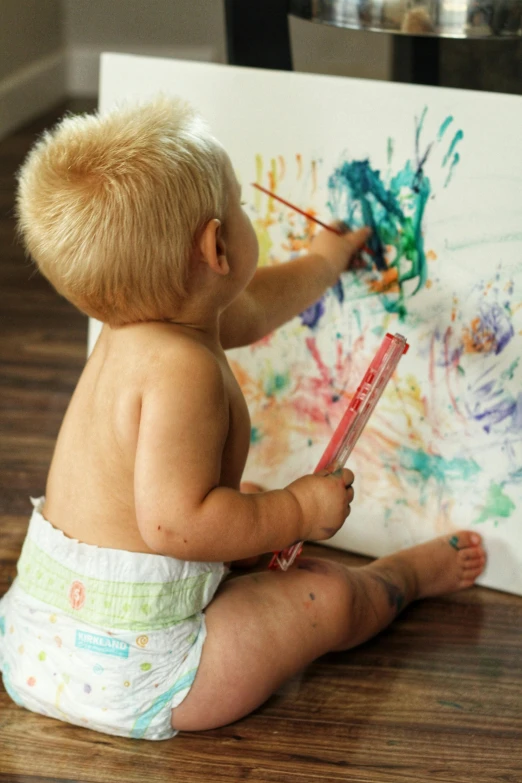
[353, 422]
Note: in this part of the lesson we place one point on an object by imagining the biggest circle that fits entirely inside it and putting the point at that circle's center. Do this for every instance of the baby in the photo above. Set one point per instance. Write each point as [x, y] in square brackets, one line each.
[120, 618]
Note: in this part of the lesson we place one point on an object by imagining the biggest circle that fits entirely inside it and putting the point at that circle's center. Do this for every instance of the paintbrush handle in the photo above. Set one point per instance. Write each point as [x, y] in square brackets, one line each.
[307, 215]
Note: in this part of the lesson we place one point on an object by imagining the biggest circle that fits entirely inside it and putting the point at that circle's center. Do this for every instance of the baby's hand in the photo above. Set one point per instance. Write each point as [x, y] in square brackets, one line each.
[325, 500]
[339, 250]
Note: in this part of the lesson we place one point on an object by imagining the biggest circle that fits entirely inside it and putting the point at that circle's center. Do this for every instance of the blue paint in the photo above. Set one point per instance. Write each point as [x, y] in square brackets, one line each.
[338, 292]
[312, 315]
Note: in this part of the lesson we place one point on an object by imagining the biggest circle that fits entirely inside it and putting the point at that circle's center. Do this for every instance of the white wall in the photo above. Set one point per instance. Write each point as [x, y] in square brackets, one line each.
[51, 48]
[32, 59]
[188, 29]
[195, 29]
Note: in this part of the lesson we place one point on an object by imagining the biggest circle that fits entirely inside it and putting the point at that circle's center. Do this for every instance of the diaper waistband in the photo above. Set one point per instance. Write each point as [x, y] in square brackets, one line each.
[112, 588]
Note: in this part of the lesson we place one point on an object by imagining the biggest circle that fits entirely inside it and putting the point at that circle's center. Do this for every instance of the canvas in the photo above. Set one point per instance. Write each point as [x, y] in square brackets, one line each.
[437, 174]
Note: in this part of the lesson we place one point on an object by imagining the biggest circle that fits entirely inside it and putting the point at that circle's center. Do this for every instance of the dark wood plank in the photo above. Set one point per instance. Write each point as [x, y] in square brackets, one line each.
[436, 697]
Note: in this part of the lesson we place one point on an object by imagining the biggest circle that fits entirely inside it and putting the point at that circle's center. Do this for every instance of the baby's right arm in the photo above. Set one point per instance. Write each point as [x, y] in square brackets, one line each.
[181, 509]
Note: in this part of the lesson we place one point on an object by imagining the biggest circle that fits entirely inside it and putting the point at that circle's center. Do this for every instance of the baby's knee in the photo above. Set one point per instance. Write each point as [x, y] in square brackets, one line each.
[332, 582]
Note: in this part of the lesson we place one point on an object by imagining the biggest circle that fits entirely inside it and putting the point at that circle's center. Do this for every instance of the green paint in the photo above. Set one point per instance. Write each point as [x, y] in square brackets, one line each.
[357, 315]
[433, 466]
[390, 149]
[454, 542]
[145, 667]
[276, 383]
[461, 370]
[255, 435]
[497, 504]
[508, 374]
[42, 656]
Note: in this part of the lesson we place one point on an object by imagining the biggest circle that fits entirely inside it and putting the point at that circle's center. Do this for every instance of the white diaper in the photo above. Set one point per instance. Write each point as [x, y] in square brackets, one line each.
[103, 638]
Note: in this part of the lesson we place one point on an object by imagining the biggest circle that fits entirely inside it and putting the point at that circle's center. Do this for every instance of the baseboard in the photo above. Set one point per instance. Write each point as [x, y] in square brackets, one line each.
[83, 63]
[31, 91]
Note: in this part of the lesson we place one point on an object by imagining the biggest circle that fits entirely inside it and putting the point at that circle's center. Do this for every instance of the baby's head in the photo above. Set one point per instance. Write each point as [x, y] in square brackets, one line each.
[110, 207]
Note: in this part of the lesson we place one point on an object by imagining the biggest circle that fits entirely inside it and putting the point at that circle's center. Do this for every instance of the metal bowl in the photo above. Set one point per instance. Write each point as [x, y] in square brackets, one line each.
[445, 18]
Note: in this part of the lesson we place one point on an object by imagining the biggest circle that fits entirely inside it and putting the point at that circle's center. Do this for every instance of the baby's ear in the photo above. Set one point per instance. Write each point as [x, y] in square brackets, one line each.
[213, 247]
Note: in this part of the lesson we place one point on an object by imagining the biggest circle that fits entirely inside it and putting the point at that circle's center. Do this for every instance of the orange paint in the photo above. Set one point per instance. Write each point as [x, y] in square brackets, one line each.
[478, 339]
[431, 255]
[387, 282]
[299, 160]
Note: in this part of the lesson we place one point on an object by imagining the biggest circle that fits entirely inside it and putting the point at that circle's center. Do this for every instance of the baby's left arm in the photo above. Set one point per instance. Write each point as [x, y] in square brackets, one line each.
[279, 293]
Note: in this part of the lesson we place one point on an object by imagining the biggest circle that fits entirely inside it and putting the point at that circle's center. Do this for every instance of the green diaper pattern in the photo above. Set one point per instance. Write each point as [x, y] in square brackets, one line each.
[133, 606]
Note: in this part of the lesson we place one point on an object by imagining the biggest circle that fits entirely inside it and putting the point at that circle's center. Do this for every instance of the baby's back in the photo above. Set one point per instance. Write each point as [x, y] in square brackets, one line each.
[89, 491]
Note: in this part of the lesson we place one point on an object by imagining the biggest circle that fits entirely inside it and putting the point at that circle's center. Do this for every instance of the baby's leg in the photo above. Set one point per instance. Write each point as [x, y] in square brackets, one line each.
[265, 627]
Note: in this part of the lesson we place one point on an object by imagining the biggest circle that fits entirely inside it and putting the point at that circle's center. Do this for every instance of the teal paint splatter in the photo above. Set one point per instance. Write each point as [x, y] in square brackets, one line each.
[454, 164]
[454, 542]
[255, 435]
[443, 128]
[457, 137]
[430, 466]
[276, 383]
[394, 207]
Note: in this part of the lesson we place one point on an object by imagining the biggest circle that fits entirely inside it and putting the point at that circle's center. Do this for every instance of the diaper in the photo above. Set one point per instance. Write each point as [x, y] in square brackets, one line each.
[103, 638]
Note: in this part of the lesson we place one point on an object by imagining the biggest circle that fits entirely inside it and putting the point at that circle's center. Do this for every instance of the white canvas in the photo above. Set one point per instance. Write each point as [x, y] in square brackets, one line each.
[444, 448]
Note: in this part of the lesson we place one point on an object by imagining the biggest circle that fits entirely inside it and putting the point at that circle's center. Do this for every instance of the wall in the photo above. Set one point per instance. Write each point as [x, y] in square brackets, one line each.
[51, 48]
[188, 29]
[195, 29]
[32, 60]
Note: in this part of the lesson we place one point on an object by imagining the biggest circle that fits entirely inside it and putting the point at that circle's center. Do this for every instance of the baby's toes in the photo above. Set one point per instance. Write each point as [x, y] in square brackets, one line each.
[465, 540]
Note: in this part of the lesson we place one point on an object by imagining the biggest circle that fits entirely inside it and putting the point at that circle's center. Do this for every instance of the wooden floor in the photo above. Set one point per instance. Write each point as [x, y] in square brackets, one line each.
[437, 697]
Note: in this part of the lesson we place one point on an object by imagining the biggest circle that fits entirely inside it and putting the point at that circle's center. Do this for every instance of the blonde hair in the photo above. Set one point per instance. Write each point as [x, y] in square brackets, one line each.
[110, 206]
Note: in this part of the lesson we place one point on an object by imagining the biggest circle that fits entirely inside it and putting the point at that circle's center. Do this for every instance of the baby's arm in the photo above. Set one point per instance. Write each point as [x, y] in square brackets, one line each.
[181, 509]
[278, 293]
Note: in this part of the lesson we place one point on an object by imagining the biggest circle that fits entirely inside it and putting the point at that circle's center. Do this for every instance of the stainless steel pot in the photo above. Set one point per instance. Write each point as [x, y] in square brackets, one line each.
[445, 18]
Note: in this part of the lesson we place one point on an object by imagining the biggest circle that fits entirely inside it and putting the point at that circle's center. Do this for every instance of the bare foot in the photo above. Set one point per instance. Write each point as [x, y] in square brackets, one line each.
[446, 564]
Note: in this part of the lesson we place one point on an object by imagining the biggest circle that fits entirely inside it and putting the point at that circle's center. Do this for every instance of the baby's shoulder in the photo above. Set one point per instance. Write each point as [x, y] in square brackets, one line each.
[172, 356]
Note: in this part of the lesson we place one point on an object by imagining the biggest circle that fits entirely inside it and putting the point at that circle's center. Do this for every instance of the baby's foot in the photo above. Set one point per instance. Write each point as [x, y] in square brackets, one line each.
[446, 564]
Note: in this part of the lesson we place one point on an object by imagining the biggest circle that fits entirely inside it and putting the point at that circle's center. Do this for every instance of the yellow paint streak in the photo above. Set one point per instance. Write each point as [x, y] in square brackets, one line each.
[314, 176]
[282, 167]
[259, 179]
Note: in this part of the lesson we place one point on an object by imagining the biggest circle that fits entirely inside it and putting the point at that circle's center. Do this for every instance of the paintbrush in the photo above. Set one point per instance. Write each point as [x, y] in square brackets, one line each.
[307, 215]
